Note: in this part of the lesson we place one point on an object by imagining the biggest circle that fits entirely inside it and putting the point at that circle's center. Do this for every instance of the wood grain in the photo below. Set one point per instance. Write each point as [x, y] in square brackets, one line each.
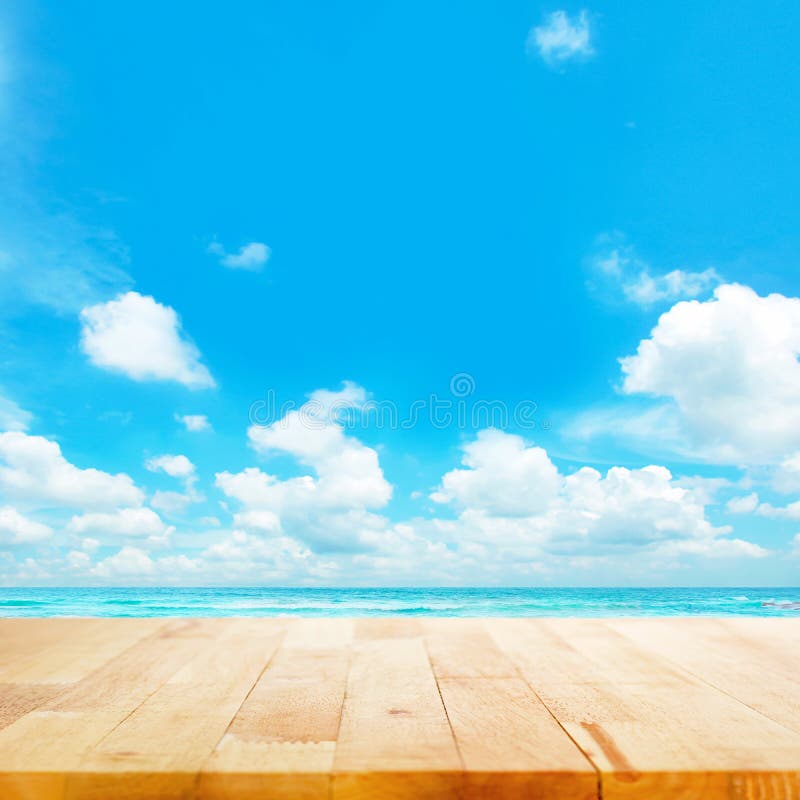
[321, 709]
[651, 728]
[282, 740]
[750, 663]
[395, 739]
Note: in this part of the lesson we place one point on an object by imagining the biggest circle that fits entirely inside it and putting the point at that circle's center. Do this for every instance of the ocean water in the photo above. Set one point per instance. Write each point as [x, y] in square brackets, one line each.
[270, 602]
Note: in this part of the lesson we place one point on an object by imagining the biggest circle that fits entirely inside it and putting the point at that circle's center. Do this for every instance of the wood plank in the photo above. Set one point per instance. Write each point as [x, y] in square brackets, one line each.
[124, 683]
[370, 628]
[778, 639]
[41, 748]
[511, 745]
[159, 749]
[730, 656]
[281, 743]
[652, 729]
[17, 699]
[462, 648]
[19, 637]
[395, 740]
[199, 709]
[319, 633]
[80, 652]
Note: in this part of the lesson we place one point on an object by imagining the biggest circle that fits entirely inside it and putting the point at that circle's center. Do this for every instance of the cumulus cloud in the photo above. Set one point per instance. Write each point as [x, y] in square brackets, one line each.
[194, 422]
[647, 289]
[129, 562]
[251, 257]
[585, 512]
[729, 367]
[503, 477]
[176, 466]
[507, 513]
[143, 339]
[786, 477]
[18, 529]
[718, 548]
[743, 505]
[616, 267]
[33, 470]
[134, 565]
[791, 511]
[258, 520]
[330, 404]
[139, 522]
[515, 511]
[330, 507]
[243, 554]
[180, 467]
[561, 37]
[78, 561]
[348, 471]
[170, 502]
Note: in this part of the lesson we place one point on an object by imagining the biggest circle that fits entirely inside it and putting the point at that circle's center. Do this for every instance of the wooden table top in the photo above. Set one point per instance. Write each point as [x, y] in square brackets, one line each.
[390, 708]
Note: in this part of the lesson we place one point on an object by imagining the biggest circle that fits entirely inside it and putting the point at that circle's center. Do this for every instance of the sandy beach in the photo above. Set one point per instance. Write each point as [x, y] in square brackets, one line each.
[399, 707]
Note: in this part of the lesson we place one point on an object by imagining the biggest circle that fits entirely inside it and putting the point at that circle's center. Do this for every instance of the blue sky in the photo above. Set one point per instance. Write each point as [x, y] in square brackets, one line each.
[586, 208]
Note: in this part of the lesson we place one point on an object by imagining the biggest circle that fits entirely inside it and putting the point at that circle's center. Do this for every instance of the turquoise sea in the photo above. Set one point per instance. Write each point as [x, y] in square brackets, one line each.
[550, 602]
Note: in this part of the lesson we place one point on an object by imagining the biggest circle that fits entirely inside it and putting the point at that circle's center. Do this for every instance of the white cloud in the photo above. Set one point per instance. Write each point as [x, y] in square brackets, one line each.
[330, 404]
[135, 565]
[194, 422]
[78, 561]
[503, 476]
[562, 37]
[516, 513]
[176, 466]
[348, 471]
[716, 548]
[329, 508]
[791, 511]
[267, 521]
[170, 502]
[12, 417]
[143, 339]
[548, 515]
[786, 478]
[139, 522]
[18, 529]
[129, 562]
[251, 257]
[730, 367]
[616, 266]
[705, 489]
[242, 553]
[743, 505]
[33, 469]
[647, 289]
